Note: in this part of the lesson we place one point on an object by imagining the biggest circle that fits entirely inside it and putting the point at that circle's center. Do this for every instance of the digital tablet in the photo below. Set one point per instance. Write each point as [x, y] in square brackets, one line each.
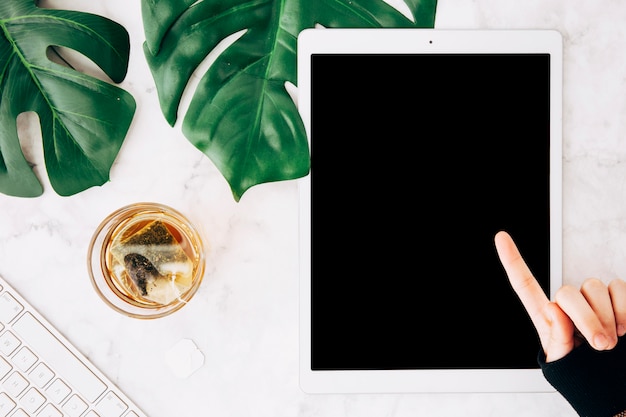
[424, 144]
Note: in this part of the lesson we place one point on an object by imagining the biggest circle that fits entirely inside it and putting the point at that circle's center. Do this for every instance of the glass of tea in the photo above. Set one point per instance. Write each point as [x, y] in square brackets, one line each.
[146, 260]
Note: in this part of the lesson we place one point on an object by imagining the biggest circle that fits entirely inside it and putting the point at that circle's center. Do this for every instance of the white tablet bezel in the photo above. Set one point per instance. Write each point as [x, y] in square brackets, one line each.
[431, 41]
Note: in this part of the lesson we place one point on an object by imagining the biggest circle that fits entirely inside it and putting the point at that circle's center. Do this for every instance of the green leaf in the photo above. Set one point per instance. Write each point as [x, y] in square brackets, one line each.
[84, 120]
[241, 115]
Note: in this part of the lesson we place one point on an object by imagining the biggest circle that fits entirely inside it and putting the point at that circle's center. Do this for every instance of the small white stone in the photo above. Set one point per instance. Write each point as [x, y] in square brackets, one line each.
[184, 358]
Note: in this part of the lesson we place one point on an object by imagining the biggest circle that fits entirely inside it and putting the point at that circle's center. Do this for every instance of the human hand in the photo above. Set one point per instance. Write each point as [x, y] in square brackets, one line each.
[596, 312]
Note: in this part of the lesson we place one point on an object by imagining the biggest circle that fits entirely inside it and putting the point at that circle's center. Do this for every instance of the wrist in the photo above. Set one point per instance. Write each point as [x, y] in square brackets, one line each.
[593, 382]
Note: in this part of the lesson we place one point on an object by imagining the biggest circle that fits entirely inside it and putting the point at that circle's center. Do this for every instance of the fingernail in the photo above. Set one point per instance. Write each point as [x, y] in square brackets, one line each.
[601, 341]
[621, 329]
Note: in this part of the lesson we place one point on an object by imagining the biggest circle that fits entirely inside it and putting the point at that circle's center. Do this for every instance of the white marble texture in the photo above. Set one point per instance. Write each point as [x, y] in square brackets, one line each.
[245, 316]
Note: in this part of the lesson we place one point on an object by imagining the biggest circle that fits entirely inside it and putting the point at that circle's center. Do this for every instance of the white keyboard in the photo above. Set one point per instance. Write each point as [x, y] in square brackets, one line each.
[42, 374]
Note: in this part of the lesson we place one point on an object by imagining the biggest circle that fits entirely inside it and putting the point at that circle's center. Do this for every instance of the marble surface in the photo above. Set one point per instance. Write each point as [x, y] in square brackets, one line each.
[244, 319]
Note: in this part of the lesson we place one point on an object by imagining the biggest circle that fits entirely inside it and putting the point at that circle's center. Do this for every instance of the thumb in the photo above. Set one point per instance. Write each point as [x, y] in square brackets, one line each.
[561, 338]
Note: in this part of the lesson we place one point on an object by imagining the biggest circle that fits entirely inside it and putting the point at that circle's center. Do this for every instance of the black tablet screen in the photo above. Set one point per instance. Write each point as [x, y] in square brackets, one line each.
[417, 161]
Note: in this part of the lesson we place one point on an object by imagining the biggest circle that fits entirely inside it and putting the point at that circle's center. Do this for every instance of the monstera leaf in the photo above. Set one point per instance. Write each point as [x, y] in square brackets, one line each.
[84, 120]
[241, 115]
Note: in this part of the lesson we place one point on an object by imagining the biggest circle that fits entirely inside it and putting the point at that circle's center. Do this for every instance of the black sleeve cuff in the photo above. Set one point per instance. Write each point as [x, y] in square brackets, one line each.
[593, 382]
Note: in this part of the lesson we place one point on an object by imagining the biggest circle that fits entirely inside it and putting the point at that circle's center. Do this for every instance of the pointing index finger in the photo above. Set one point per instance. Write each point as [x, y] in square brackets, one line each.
[522, 280]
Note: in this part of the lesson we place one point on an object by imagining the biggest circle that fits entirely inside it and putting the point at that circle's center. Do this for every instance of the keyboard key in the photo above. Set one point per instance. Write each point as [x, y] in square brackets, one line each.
[20, 413]
[49, 411]
[111, 406]
[9, 307]
[5, 367]
[69, 367]
[8, 343]
[58, 391]
[41, 375]
[32, 400]
[24, 359]
[6, 404]
[15, 384]
[74, 407]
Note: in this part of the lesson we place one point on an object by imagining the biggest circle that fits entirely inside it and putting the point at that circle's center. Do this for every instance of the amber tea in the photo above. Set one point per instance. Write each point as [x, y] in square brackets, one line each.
[146, 260]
